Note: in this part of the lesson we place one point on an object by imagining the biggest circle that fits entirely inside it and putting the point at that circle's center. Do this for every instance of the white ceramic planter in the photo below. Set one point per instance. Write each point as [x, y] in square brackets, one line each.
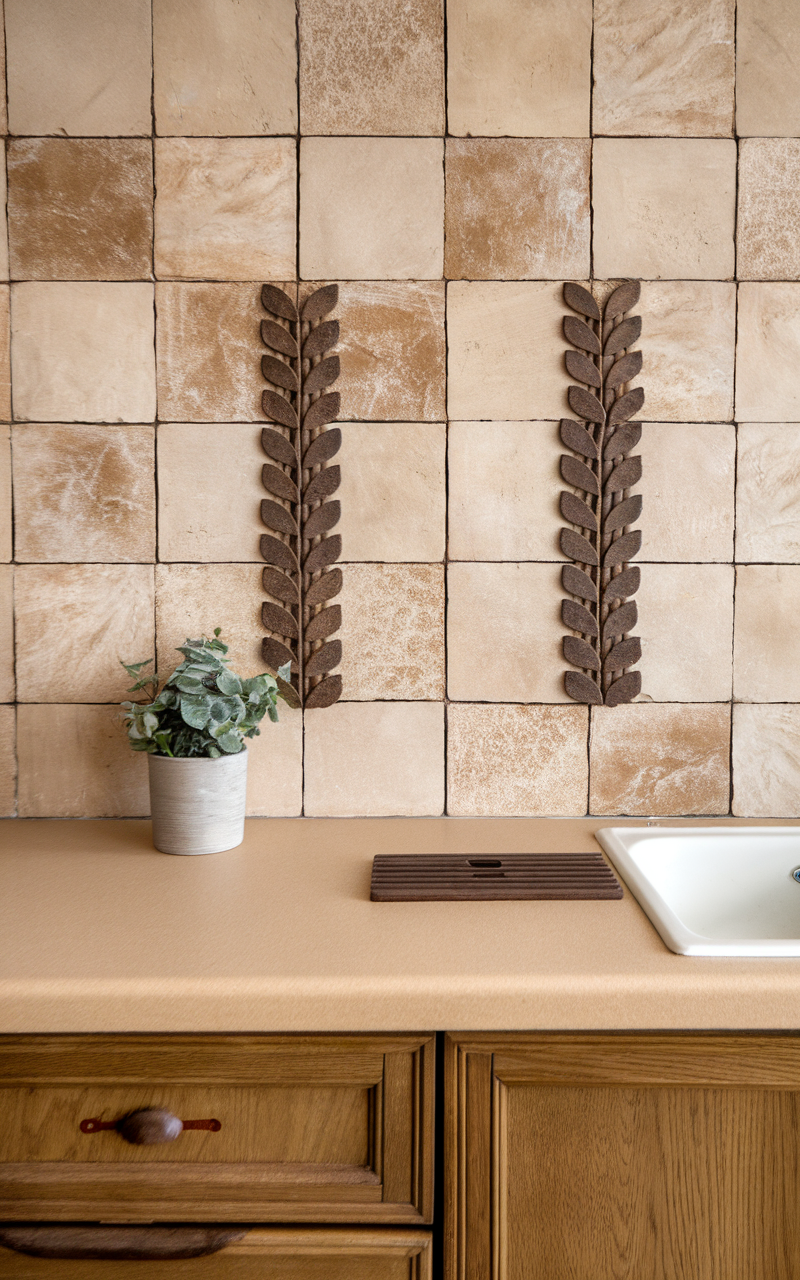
[198, 805]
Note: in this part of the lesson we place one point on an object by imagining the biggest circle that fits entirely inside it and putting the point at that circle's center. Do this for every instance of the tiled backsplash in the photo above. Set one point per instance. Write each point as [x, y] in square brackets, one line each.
[156, 178]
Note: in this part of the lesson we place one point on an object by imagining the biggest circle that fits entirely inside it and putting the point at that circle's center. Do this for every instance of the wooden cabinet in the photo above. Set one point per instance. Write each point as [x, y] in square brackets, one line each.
[622, 1157]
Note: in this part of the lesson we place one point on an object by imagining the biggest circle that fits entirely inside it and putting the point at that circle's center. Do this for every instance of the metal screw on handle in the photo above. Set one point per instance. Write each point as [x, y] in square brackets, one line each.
[148, 1127]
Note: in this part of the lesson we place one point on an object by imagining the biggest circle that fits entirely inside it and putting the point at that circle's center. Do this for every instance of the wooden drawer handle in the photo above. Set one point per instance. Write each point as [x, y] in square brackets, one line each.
[132, 1244]
[145, 1128]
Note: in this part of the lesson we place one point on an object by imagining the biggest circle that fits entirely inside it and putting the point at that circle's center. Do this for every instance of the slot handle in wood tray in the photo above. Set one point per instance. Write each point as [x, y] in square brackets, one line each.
[452, 877]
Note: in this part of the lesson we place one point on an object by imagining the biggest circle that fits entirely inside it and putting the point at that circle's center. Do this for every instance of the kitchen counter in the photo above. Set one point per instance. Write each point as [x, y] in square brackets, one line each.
[99, 932]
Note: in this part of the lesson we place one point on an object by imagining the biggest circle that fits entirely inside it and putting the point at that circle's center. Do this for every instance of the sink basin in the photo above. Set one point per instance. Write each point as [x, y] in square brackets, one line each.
[714, 891]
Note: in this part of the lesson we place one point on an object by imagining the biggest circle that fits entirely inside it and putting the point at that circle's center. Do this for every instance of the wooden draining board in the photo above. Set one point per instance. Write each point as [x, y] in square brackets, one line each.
[483, 877]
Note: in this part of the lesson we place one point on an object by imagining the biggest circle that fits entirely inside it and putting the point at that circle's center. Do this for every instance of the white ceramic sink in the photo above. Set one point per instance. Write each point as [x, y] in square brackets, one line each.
[714, 891]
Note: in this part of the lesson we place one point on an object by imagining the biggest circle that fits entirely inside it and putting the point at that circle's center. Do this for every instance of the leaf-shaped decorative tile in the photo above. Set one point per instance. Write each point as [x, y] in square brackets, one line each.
[324, 623]
[323, 519]
[577, 512]
[624, 370]
[582, 368]
[581, 300]
[279, 586]
[625, 689]
[322, 411]
[577, 583]
[578, 618]
[582, 688]
[626, 512]
[289, 694]
[277, 371]
[623, 584]
[585, 404]
[278, 302]
[275, 336]
[324, 588]
[578, 474]
[580, 653]
[621, 620]
[322, 375]
[278, 447]
[580, 335]
[576, 437]
[624, 549]
[278, 553]
[622, 299]
[280, 620]
[323, 484]
[276, 654]
[320, 302]
[625, 654]
[577, 547]
[322, 448]
[277, 517]
[626, 406]
[622, 440]
[276, 481]
[277, 407]
[325, 693]
[623, 336]
[324, 659]
[624, 476]
[323, 554]
[321, 339]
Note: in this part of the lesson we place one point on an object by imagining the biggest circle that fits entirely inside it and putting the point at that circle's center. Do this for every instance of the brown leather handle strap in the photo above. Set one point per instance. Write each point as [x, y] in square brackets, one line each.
[118, 1243]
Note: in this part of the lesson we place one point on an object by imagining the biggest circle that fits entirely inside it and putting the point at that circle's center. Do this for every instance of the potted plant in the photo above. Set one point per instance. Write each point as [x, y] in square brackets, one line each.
[193, 731]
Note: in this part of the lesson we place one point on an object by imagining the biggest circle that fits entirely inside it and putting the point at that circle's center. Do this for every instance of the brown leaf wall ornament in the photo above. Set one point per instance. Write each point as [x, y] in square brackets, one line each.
[300, 512]
[600, 540]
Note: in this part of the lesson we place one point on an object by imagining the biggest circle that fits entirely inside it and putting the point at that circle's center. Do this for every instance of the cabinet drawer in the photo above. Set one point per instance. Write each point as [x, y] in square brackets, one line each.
[268, 1253]
[278, 1128]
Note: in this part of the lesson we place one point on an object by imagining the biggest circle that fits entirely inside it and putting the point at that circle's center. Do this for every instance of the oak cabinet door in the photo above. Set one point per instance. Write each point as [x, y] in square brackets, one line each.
[622, 1157]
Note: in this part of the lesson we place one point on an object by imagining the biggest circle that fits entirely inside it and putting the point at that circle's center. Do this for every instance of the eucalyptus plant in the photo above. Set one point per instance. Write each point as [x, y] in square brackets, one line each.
[203, 708]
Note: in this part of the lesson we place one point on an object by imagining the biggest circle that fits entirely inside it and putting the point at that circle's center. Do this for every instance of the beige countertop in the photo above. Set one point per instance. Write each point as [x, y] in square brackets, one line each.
[99, 932]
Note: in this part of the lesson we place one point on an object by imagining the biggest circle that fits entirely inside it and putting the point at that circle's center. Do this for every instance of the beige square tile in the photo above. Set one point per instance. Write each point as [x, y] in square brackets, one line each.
[504, 633]
[209, 512]
[517, 208]
[225, 208]
[3, 88]
[766, 761]
[520, 68]
[8, 762]
[7, 682]
[81, 68]
[649, 759]
[686, 626]
[768, 492]
[75, 762]
[74, 623]
[372, 67]
[664, 207]
[194, 599]
[275, 767]
[83, 352]
[503, 485]
[3, 227]
[766, 661]
[687, 485]
[5, 351]
[767, 242]
[659, 72]
[768, 353]
[393, 491]
[224, 67]
[505, 345]
[375, 759]
[392, 349]
[688, 340]
[5, 494]
[517, 761]
[371, 208]
[767, 61]
[392, 632]
[84, 493]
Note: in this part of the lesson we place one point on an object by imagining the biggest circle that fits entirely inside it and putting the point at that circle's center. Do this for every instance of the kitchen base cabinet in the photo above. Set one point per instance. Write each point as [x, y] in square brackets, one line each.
[622, 1157]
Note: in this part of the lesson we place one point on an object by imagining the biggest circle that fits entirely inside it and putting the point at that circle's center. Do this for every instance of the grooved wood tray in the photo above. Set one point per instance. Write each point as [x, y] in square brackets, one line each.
[477, 876]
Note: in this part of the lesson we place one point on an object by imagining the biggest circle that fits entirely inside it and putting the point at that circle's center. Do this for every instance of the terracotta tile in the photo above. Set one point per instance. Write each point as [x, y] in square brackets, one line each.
[766, 761]
[649, 759]
[193, 599]
[392, 349]
[81, 69]
[686, 627]
[688, 340]
[767, 59]
[209, 512]
[8, 762]
[518, 68]
[517, 208]
[5, 494]
[687, 488]
[275, 767]
[5, 351]
[766, 638]
[371, 208]
[516, 761]
[75, 762]
[493, 470]
[392, 632]
[225, 208]
[497, 335]
[84, 493]
[372, 67]
[768, 353]
[80, 208]
[664, 207]
[504, 633]
[375, 759]
[392, 491]
[663, 72]
[74, 623]
[7, 683]
[768, 492]
[769, 209]
[83, 352]
[222, 68]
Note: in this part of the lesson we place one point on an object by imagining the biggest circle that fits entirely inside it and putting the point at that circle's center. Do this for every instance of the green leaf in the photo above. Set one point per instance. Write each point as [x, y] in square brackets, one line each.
[230, 742]
[194, 712]
[228, 682]
[285, 672]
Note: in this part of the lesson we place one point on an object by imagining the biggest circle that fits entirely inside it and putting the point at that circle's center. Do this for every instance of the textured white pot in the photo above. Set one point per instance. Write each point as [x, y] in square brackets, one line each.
[197, 805]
